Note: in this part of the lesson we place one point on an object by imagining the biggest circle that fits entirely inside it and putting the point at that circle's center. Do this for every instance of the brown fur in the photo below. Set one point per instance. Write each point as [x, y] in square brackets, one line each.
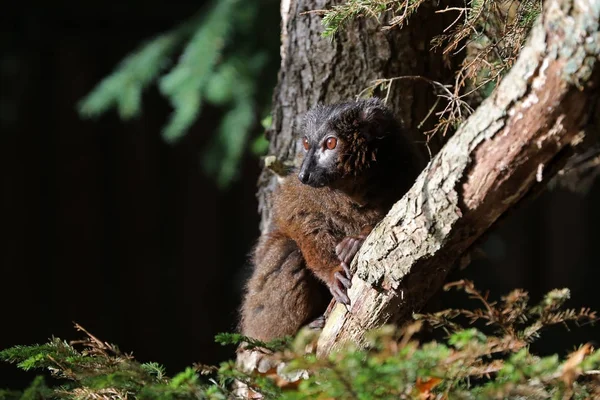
[282, 294]
[317, 219]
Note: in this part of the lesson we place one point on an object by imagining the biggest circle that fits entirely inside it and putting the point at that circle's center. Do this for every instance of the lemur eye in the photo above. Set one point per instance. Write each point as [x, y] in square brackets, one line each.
[305, 143]
[331, 143]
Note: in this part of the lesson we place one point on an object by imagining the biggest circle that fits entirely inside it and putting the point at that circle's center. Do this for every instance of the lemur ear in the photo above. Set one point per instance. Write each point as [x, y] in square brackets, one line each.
[372, 113]
[375, 118]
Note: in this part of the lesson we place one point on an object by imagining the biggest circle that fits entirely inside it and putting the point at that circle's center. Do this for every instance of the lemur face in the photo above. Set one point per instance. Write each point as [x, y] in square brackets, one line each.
[341, 140]
[319, 166]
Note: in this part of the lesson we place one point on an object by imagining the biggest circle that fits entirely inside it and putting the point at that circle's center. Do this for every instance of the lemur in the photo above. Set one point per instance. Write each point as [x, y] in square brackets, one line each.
[357, 163]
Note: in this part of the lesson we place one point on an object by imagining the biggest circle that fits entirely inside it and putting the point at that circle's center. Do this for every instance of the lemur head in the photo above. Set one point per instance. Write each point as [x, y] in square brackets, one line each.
[342, 141]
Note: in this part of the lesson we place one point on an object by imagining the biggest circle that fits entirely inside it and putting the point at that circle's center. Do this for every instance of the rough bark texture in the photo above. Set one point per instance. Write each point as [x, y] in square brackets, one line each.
[317, 70]
[494, 159]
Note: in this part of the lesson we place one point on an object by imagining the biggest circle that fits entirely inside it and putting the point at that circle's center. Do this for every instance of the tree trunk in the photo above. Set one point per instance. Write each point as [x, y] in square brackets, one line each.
[318, 70]
[496, 158]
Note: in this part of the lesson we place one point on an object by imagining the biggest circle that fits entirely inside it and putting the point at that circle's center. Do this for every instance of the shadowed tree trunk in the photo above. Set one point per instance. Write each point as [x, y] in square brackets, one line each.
[497, 157]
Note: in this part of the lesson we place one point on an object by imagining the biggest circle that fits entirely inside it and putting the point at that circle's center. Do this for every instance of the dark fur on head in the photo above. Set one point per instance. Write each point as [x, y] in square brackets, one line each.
[361, 128]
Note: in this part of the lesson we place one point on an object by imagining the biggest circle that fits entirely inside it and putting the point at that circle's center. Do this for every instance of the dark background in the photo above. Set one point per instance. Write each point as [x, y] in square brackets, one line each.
[106, 225]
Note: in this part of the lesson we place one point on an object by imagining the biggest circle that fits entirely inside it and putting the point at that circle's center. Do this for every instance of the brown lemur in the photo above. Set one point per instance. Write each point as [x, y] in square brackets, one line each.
[357, 163]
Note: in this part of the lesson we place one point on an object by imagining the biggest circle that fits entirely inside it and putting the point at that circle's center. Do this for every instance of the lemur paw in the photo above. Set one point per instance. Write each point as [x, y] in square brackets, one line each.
[342, 281]
[318, 323]
[348, 247]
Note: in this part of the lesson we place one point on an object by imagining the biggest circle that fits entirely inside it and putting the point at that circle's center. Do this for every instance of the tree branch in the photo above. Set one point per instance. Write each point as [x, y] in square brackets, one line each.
[496, 157]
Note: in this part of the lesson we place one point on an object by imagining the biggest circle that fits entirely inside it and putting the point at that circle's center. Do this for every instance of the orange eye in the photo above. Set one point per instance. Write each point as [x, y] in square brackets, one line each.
[305, 143]
[331, 143]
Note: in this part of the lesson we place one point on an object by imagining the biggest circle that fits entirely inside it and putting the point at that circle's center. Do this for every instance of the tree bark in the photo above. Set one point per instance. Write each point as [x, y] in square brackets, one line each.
[496, 157]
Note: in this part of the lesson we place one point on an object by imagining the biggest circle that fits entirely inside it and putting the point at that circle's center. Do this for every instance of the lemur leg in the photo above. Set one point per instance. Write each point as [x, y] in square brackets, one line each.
[282, 294]
[345, 251]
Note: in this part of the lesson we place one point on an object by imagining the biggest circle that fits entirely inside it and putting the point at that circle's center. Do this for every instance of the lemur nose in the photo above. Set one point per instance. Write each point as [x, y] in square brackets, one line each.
[303, 176]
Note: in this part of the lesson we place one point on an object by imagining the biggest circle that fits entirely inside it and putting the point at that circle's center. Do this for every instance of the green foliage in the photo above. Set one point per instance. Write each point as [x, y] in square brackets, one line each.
[471, 363]
[223, 59]
[123, 88]
[227, 147]
[260, 144]
[339, 15]
[36, 390]
[7, 394]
